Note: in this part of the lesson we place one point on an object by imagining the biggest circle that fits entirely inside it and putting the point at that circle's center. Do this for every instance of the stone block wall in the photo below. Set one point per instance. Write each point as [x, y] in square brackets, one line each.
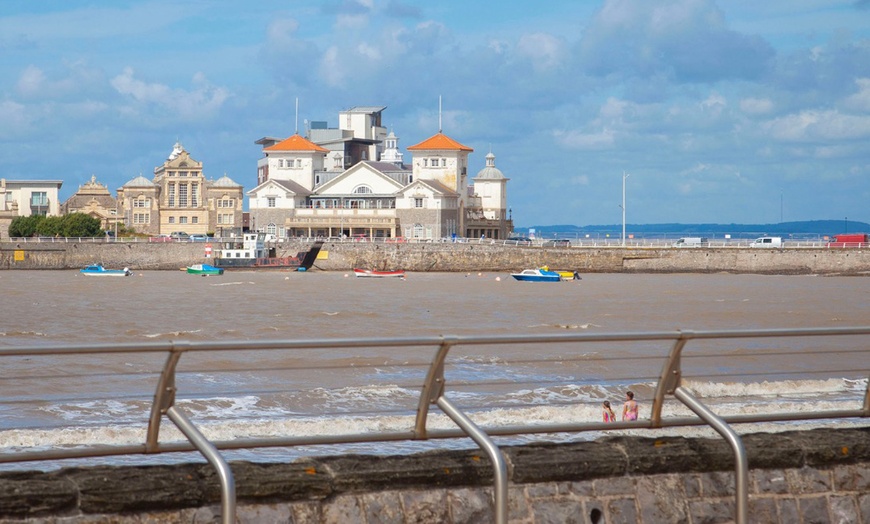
[815, 476]
[454, 257]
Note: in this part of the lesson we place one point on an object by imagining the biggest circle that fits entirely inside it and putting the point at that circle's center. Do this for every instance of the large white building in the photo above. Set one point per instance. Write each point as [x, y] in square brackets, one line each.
[352, 181]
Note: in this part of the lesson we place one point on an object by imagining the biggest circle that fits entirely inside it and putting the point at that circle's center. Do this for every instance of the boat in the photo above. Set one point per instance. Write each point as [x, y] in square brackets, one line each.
[537, 275]
[250, 252]
[566, 275]
[374, 273]
[204, 269]
[99, 270]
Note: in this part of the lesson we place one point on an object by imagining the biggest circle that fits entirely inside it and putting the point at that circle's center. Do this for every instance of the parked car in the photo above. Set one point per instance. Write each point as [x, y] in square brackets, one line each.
[517, 238]
[179, 236]
[199, 237]
[692, 242]
[558, 242]
[767, 242]
[160, 238]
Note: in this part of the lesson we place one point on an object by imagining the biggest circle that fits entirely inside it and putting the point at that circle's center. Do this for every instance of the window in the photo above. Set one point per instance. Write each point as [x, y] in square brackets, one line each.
[298, 162]
[363, 190]
[141, 218]
[225, 218]
[142, 202]
[182, 220]
[418, 202]
[170, 198]
[443, 162]
[270, 201]
[226, 202]
[271, 229]
[418, 230]
[194, 220]
[171, 220]
[425, 162]
[280, 162]
[194, 195]
[182, 195]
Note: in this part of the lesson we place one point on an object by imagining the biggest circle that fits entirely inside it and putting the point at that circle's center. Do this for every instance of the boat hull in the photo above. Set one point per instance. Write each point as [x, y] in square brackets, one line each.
[301, 262]
[537, 275]
[372, 273]
[204, 269]
[100, 271]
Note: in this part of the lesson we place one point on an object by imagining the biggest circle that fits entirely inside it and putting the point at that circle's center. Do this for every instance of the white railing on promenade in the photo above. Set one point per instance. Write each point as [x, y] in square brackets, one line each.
[444, 371]
[598, 243]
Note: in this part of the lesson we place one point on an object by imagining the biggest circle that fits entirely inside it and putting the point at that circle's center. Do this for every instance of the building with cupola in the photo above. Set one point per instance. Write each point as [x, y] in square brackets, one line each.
[352, 181]
[180, 198]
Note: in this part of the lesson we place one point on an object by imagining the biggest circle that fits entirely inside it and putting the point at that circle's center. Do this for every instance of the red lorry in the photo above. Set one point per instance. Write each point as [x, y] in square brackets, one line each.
[850, 240]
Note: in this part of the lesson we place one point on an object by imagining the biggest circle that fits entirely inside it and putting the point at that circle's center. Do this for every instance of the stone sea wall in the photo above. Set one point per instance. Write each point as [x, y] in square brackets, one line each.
[797, 477]
[459, 257]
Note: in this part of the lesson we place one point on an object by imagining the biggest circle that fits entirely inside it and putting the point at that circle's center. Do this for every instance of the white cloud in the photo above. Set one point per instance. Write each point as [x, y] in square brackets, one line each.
[603, 139]
[543, 50]
[756, 106]
[31, 81]
[812, 125]
[203, 101]
[860, 101]
[14, 117]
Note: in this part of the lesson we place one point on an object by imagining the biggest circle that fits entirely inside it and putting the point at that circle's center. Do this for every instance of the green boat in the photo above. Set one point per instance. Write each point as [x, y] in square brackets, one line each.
[204, 269]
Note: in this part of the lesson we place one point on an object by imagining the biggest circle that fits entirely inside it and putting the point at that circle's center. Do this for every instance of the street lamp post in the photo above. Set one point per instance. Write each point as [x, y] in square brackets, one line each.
[624, 176]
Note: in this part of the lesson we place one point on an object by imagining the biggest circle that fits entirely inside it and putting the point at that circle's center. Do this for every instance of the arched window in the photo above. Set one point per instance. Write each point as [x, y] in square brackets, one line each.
[418, 230]
[362, 190]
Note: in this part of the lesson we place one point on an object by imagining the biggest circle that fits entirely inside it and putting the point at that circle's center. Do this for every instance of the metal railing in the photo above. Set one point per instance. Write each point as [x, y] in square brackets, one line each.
[497, 372]
[573, 243]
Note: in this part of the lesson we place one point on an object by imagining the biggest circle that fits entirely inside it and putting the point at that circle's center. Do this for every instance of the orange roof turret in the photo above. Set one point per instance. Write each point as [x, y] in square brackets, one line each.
[440, 141]
[296, 143]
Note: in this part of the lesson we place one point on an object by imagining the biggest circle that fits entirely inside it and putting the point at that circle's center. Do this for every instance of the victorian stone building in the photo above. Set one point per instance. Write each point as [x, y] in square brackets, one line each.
[180, 198]
[95, 200]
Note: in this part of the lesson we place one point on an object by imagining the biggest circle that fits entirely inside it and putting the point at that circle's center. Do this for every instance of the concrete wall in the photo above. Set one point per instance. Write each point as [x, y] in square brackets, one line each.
[454, 257]
[796, 477]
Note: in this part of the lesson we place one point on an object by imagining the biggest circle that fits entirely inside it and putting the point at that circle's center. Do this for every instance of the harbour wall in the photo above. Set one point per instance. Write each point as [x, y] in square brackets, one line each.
[454, 257]
[820, 475]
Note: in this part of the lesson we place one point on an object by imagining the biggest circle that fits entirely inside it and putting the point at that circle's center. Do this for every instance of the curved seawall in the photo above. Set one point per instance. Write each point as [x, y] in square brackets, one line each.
[458, 257]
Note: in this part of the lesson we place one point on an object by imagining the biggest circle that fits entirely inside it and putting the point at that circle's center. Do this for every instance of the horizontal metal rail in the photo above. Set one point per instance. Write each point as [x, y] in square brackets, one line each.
[440, 377]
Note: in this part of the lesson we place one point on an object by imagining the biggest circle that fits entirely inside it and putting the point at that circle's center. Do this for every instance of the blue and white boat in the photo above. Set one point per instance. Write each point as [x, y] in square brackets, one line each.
[537, 275]
[100, 271]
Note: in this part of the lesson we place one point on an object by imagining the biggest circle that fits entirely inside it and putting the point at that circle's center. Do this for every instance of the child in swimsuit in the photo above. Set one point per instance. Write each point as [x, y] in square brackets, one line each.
[609, 415]
[629, 409]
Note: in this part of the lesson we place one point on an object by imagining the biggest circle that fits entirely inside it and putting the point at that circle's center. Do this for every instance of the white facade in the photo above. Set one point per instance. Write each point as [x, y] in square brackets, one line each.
[306, 195]
[30, 197]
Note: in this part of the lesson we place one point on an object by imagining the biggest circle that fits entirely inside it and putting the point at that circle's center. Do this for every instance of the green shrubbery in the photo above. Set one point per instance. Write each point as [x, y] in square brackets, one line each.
[72, 225]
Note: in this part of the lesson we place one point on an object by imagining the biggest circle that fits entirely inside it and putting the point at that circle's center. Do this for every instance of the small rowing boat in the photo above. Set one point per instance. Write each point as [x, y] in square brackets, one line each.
[374, 273]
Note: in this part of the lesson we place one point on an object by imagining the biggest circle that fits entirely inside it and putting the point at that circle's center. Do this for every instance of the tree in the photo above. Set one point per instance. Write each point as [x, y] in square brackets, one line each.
[80, 225]
[50, 227]
[24, 226]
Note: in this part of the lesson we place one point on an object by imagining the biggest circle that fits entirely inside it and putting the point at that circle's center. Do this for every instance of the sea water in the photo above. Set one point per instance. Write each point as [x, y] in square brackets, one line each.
[273, 394]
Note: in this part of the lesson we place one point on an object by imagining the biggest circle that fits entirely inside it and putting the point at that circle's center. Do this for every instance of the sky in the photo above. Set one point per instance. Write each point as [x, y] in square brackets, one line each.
[696, 111]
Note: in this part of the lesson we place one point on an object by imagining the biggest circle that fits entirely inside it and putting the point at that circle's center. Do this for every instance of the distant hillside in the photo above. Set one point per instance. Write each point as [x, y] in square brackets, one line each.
[811, 228]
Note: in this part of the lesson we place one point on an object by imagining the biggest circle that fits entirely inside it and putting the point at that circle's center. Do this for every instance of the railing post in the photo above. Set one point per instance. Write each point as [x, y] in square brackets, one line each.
[225, 474]
[433, 387]
[164, 404]
[499, 465]
[741, 479]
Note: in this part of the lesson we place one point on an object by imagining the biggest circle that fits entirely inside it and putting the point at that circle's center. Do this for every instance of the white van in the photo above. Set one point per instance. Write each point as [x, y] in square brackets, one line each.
[691, 242]
[767, 242]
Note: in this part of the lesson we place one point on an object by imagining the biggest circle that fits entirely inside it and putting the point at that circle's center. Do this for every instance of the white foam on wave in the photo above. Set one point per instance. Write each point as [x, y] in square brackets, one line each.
[775, 388]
